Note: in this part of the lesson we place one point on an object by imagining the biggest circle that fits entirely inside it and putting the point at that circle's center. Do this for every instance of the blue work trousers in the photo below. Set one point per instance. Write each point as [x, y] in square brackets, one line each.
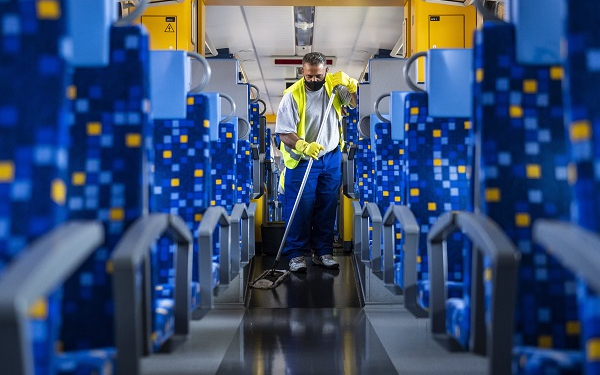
[314, 222]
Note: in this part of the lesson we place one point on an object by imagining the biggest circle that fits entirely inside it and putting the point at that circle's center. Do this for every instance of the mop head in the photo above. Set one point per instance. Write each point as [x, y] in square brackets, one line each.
[270, 279]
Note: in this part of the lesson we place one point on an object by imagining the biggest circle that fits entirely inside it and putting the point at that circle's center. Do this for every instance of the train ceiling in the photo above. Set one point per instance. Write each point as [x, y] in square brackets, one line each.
[258, 35]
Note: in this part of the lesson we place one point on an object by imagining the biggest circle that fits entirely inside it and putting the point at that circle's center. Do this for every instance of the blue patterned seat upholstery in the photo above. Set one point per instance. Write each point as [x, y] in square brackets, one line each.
[223, 168]
[364, 179]
[523, 177]
[107, 170]
[390, 179]
[181, 184]
[583, 116]
[223, 179]
[438, 155]
[254, 120]
[33, 147]
[352, 126]
[244, 171]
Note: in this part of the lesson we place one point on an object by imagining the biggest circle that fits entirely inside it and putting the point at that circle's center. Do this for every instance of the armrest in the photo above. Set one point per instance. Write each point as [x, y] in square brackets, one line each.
[43, 266]
[348, 172]
[575, 247]
[245, 216]
[215, 215]
[258, 171]
[132, 325]
[371, 211]
[356, 226]
[488, 240]
[409, 225]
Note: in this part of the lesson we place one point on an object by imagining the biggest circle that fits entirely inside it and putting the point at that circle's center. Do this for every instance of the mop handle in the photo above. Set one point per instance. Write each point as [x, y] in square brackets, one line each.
[304, 179]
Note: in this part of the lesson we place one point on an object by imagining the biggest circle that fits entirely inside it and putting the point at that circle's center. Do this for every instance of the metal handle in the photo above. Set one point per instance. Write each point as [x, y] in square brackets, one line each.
[243, 127]
[230, 100]
[406, 70]
[207, 72]
[257, 93]
[376, 108]
[364, 127]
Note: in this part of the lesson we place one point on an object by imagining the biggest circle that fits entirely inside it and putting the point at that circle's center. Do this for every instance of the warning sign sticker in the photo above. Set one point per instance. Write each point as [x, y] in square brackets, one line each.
[169, 29]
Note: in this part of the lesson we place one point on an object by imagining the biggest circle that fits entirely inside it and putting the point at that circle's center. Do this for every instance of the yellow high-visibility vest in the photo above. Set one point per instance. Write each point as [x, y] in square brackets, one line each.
[291, 157]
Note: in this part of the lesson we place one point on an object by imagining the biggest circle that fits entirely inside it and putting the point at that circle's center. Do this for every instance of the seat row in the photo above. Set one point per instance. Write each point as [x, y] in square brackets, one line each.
[115, 222]
[459, 219]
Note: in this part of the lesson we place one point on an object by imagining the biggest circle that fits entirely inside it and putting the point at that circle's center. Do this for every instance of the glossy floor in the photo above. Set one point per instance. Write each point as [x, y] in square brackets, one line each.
[313, 323]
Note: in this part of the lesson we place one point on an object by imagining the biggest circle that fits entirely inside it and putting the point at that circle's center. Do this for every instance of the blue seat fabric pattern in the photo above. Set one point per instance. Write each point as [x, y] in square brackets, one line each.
[522, 176]
[223, 180]
[181, 183]
[352, 126]
[254, 120]
[365, 174]
[390, 180]
[110, 122]
[438, 154]
[243, 171]
[33, 148]
[223, 168]
[582, 108]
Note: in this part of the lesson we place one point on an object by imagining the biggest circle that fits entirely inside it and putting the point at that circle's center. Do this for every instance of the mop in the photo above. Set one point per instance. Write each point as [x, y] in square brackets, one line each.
[272, 278]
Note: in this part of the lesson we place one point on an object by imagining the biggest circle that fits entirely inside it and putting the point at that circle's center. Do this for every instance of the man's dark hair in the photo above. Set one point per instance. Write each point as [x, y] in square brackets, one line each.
[314, 59]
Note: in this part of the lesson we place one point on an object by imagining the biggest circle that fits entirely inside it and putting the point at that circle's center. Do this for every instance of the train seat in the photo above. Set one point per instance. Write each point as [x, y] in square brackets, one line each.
[583, 77]
[582, 109]
[254, 120]
[33, 170]
[223, 180]
[244, 171]
[108, 176]
[428, 172]
[351, 130]
[390, 179]
[365, 175]
[522, 176]
[437, 152]
[181, 183]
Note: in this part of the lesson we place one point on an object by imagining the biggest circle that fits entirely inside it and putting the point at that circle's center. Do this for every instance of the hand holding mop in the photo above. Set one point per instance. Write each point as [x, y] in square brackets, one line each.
[272, 278]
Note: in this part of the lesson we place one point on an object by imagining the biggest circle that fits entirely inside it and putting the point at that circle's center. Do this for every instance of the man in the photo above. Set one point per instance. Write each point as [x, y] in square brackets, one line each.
[299, 119]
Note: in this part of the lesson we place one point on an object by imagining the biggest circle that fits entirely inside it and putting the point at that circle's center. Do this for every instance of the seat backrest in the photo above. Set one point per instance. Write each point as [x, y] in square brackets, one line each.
[437, 154]
[582, 109]
[181, 179]
[364, 178]
[521, 175]
[107, 175]
[33, 146]
[389, 168]
[243, 171]
[223, 167]
[254, 120]
[33, 142]
[352, 126]
[390, 179]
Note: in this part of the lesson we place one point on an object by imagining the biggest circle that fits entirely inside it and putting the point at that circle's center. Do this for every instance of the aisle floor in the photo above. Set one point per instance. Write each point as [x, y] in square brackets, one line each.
[311, 324]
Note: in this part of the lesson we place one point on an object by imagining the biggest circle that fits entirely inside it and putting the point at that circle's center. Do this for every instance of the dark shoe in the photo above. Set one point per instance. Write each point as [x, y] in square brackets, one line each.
[326, 261]
[298, 264]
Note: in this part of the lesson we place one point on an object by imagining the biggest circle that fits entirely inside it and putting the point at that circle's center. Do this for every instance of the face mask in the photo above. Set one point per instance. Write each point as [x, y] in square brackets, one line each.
[314, 85]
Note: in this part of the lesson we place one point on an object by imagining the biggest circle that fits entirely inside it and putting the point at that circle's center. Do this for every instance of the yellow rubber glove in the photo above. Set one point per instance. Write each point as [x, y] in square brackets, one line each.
[341, 78]
[309, 149]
